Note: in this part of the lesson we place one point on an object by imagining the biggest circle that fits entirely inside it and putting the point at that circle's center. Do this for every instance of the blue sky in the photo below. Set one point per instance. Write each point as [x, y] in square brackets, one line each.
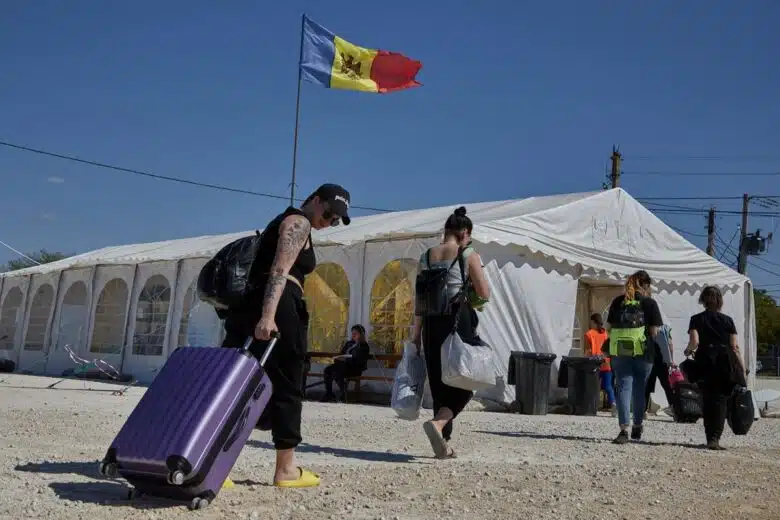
[519, 99]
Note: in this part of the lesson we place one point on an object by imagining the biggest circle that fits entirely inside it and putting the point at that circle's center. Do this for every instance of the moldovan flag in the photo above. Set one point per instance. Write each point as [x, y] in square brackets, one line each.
[333, 62]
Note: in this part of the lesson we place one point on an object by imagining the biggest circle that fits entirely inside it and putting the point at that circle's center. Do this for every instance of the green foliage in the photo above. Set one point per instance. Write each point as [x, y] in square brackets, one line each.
[42, 257]
[767, 321]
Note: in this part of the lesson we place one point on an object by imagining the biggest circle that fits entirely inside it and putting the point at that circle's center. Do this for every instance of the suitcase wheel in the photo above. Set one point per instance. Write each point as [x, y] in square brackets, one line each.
[110, 469]
[176, 477]
[199, 503]
[133, 494]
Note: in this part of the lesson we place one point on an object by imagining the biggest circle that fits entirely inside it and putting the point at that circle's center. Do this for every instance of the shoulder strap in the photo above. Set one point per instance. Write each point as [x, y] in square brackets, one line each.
[462, 265]
[458, 258]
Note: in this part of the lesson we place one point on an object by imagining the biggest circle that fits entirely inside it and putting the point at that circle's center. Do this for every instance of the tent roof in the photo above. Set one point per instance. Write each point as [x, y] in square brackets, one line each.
[605, 231]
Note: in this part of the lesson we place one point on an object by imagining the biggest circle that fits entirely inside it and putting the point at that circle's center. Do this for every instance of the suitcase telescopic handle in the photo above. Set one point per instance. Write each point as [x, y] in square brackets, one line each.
[268, 349]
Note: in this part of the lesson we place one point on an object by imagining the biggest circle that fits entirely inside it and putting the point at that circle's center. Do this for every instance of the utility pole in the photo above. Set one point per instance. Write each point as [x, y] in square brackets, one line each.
[615, 175]
[711, 232]
[742, 258]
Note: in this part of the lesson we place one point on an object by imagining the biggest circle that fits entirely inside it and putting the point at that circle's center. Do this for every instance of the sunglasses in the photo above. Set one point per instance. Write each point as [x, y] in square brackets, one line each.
[329, 215]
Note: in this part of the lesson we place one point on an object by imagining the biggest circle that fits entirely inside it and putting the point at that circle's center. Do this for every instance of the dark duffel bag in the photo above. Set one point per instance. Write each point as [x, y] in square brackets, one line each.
[687, 405]
[741, 413]
[7, 366]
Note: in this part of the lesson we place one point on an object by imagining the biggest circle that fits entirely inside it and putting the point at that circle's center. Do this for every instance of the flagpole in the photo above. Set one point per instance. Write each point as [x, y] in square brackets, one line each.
[297, 114]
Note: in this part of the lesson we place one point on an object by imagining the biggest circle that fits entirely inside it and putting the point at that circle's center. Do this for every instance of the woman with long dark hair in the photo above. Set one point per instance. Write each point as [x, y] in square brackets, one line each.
[457, 260]
[634, 319]
[711, 333]
[275, 304]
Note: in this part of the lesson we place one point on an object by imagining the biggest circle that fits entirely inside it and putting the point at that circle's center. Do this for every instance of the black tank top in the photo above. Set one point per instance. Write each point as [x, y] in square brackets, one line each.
[304, 264]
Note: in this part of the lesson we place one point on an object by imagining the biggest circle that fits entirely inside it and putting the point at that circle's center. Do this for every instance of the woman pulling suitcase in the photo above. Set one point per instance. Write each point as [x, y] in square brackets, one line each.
[275, 303]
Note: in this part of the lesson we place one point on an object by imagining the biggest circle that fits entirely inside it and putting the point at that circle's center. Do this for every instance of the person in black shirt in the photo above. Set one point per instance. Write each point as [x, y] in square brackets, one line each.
[633, 320]
[711, 333]
[351, 362]
[274, 303]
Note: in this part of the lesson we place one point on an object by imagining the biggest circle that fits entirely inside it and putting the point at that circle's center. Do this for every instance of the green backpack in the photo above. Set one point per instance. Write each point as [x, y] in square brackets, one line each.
[628, 337]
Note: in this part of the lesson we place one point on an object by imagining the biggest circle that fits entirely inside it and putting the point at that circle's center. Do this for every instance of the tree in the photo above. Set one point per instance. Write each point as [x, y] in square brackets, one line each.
[42, 257]
[767, 321]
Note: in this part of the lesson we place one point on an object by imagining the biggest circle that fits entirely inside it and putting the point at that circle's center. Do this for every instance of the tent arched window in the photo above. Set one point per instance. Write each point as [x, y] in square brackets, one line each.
[327, 299]
[39, 318]
[73, 316]
[392, 305]
[151, 317]
[199, 325]
[108, 334]
[9, 318]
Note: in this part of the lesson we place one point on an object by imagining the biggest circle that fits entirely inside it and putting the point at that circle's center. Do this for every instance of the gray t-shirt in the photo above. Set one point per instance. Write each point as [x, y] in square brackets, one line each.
[454, 280]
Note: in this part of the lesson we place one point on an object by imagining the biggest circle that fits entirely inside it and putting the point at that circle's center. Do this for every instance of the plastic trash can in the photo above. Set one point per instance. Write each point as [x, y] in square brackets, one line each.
[584, 384]
[530, 373]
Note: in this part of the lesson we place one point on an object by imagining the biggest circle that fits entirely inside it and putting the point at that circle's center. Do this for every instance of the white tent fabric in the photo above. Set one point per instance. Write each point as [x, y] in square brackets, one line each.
[550, 260]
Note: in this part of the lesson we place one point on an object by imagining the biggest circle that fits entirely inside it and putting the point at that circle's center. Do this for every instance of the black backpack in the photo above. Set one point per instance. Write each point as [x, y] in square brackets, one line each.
[430, 288]
[224, 281]
[632, 315]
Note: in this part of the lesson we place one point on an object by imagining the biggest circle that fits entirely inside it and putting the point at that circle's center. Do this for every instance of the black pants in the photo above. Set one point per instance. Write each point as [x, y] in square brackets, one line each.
[435, 330]
[285, 366]
[661, 372]
[714, 412]
[714, 368]
[339, 372]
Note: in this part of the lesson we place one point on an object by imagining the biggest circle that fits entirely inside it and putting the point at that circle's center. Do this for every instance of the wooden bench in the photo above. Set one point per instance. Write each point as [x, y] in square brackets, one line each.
[391, 361]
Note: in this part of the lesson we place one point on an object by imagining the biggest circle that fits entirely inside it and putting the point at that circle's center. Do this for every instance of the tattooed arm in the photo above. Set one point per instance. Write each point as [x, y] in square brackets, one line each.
[293, 234]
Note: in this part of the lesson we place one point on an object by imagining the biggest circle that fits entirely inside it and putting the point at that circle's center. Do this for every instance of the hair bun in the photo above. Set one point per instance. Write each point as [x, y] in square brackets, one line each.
[460, 212]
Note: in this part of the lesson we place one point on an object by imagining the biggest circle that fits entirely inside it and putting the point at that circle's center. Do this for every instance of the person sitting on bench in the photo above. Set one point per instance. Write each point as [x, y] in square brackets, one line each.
[351, 362]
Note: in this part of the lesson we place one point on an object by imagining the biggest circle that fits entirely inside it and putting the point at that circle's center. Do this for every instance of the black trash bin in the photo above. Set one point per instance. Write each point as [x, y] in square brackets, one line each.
[530, 373]
[584, 384]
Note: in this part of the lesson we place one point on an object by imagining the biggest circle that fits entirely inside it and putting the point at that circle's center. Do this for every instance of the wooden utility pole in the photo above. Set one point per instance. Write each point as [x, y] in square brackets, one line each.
[615, 175]
[742, 258]
[711, 232]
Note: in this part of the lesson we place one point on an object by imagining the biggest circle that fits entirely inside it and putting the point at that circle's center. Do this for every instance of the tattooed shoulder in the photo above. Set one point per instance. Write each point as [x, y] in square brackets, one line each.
[293, 233]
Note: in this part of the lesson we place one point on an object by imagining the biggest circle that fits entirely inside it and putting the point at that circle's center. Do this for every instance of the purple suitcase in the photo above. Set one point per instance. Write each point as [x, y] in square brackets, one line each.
[184, 436]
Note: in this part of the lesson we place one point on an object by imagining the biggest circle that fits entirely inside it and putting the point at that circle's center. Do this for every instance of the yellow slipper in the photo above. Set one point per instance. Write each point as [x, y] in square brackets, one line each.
[227, 484]
[307, 479]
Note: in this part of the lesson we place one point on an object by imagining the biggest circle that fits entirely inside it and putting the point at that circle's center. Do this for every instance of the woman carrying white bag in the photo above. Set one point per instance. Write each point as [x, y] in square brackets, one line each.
[440, 279]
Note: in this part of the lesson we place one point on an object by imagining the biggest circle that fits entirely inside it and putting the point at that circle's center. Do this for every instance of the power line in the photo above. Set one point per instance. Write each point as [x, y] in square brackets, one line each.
[704, 158]
[161, 177]
[763, 269]
[727, 249]
[767, 261]
[694, 211]
[685, 232]
[702, 174]
[19, 253]
[702, 198]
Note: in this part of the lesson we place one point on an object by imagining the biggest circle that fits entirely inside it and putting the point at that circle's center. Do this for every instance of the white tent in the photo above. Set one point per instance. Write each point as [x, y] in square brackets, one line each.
[551, 262]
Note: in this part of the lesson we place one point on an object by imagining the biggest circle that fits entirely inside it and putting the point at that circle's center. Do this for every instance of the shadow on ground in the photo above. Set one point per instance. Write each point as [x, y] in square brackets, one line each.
[577, 438]
[106, 493]
[89, 469]
[370, 456]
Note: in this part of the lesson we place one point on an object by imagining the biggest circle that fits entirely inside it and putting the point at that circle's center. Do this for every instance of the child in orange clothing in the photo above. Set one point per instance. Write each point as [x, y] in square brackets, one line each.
[594, 341]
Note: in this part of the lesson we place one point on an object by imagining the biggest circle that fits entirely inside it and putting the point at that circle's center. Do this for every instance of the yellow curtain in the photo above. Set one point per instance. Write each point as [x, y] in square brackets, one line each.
[392, 305]
[327, 299]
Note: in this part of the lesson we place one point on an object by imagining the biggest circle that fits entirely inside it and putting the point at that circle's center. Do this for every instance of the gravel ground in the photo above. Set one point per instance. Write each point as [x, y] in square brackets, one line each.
[374, 466]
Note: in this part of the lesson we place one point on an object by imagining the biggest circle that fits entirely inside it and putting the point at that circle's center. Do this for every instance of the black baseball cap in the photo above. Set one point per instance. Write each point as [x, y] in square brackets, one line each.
[337, 198]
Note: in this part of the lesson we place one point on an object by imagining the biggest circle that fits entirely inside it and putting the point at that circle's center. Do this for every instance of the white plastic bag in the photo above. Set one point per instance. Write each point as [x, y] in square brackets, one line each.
[465, 366]
[409, 384]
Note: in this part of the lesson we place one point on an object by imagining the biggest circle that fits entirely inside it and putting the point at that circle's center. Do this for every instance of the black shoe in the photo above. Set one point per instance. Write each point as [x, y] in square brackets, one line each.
[636, 433]
[328, 398]
[622, 438]
[715, 445]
